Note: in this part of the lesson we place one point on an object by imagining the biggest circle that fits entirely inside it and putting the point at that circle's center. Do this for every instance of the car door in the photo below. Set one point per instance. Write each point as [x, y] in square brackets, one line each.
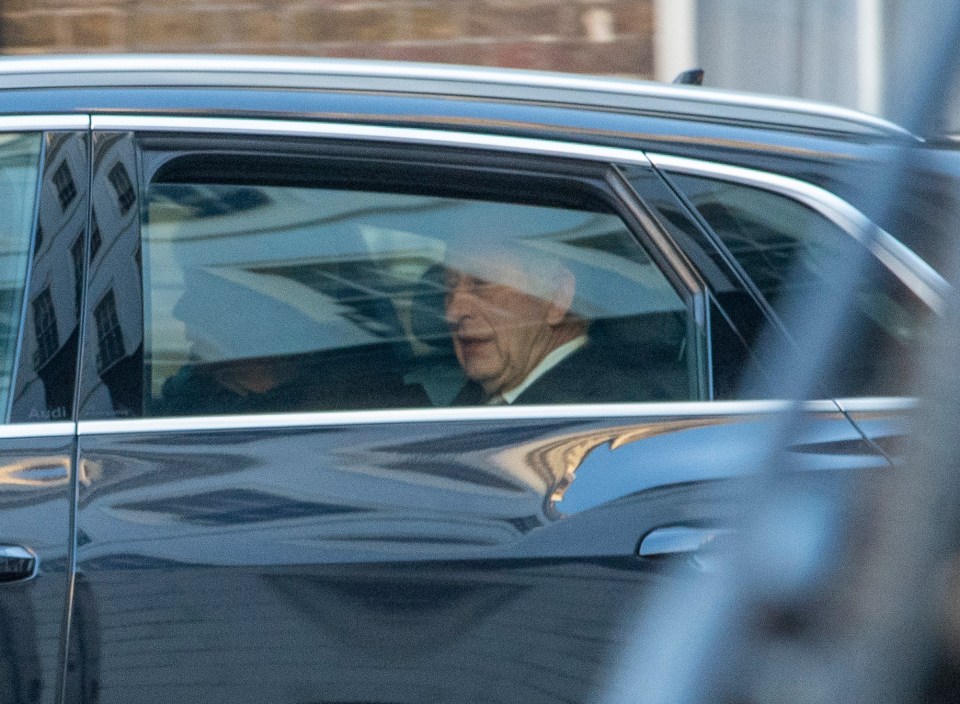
[287, 494]
[44, 165]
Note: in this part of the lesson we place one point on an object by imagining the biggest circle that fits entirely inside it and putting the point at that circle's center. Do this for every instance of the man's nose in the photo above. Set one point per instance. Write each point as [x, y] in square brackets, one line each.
[457, 305]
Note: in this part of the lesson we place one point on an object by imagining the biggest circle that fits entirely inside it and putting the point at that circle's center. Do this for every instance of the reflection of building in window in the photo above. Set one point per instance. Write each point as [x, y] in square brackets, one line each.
[109, 335]
[45, 325]
[120, 180]
[96, 239]
[38, 241]
[76, 252]
[66, 188]
[613, 243]
[45, 376]
[363, 291]
[10, 299]
[175, 202]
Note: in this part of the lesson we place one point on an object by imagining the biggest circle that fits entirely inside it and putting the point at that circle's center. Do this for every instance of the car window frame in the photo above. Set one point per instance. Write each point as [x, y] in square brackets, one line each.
[195, 130]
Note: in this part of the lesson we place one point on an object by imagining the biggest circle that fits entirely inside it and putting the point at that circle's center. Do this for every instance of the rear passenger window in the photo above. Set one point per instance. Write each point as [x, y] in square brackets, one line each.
[786, 247]
[277, 297]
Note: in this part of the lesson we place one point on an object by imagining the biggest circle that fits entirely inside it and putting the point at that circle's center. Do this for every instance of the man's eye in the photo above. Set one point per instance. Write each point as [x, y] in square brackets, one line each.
[470, 285]
[465, 283]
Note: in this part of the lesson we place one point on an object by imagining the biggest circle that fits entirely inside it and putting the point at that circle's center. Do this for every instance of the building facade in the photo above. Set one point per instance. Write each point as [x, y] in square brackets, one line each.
[862, 54]
[857, 53]
[600, 36]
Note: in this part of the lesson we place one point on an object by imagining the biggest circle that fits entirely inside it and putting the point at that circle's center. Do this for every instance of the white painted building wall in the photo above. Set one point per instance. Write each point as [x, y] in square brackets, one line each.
[857, 53]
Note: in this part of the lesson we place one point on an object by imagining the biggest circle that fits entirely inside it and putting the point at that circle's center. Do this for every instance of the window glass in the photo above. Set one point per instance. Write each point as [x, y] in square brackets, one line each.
[19, 171]
[786, 249]
[278, 298]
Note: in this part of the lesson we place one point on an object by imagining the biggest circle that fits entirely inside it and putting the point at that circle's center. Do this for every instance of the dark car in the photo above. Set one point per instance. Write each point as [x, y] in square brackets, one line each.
[250, 451]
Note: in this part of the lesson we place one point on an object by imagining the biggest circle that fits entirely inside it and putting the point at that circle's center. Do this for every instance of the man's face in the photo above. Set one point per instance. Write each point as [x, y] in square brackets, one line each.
[500, 332]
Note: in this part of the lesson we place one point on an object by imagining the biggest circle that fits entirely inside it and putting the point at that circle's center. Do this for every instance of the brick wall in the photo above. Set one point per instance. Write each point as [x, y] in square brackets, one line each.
[592, 36]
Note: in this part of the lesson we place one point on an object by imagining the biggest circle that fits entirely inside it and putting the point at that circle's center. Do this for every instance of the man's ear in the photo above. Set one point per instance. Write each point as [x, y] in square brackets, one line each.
[562, 298]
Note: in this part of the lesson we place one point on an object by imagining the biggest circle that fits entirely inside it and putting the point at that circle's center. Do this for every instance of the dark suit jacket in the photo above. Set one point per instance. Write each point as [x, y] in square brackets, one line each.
[591, 375]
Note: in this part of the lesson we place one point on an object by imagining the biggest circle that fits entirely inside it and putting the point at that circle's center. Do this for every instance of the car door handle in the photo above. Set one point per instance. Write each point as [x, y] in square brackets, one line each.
[694, 542]
[17, 563]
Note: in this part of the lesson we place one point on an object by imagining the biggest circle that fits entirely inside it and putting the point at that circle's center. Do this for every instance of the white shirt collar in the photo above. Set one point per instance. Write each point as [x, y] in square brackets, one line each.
[546, 364]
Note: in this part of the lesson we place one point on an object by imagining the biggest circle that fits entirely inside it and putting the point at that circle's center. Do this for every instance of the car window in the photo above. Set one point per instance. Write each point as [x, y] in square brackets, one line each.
[19, 170]
[786, 247]
[274, 297]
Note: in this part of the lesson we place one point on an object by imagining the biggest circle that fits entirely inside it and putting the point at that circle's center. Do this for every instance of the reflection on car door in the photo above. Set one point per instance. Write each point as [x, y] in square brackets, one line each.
[244, 541]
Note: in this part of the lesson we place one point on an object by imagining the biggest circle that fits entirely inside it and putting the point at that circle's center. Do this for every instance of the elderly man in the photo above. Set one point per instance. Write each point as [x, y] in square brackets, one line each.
[518, 340]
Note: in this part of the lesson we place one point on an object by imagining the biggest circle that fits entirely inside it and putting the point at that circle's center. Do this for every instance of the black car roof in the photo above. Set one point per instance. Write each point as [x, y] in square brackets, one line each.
[384, 78]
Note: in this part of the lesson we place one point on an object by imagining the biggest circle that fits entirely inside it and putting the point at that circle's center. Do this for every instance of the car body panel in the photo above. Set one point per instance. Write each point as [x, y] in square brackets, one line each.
[339, 558]
[36, 502]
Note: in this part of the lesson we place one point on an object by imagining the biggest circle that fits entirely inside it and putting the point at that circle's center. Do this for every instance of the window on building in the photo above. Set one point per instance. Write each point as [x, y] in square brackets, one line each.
[65, 185]
[76, 254]
[120, 180]
[45, 329]
[96, 239]
[110, 347]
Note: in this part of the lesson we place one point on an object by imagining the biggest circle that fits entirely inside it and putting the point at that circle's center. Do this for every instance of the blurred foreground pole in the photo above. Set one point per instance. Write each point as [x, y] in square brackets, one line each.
[754, 631]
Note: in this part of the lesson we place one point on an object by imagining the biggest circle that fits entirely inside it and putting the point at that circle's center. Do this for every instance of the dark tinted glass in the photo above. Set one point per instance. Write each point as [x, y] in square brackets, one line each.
[44, 387]
[785, 248]
[112, 364]
[275, 298]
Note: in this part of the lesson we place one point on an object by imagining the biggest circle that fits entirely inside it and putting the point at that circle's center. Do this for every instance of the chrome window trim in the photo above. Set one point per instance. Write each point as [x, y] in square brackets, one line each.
[880, 404]
[903, 262]
[584, 412]
[43, 123]
[436, 72]
[15, 431]
[338, 130]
